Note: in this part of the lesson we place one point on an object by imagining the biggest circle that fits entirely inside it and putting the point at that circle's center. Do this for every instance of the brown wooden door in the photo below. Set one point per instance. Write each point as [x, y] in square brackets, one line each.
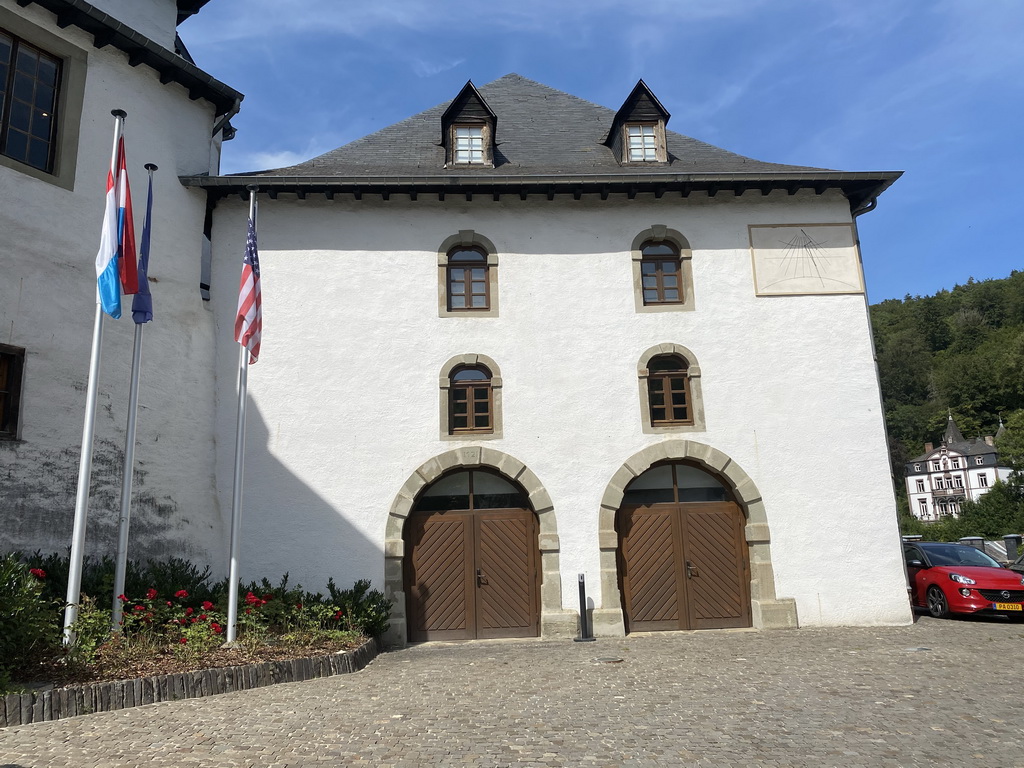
[472, 575]
[684, 566]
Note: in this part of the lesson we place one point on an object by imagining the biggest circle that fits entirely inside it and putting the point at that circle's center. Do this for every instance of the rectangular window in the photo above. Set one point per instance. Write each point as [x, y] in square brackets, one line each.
[11, 364]
[958, 481]
[955, 463]
[922, 508]
[936, 466]
[983, 480]
[29, 84]
[920, 486]
[641, 144]
[979, 460]
[469, 145]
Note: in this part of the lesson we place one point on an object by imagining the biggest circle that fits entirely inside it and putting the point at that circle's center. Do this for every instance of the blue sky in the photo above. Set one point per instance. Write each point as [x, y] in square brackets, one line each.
[930, 87]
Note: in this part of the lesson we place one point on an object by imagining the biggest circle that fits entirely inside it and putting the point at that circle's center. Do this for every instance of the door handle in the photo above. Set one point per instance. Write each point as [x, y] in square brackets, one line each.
[480, 578]
[691, 570]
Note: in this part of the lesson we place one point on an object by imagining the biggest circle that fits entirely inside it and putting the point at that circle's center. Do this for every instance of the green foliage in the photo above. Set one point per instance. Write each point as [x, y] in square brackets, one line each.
[364, 609]
[961, 350]
[91, 628]
[1011, 444]
[27, 617]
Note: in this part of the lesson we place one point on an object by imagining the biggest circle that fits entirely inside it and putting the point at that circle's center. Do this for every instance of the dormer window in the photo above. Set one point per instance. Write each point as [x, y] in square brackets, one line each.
[641, 143]
[467, 130]
[637, 134]
[469, 145]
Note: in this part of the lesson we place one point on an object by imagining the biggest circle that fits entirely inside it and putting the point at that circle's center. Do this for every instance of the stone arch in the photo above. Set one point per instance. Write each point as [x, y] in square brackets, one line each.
[767, 610]
[696, 395]
[554, 620]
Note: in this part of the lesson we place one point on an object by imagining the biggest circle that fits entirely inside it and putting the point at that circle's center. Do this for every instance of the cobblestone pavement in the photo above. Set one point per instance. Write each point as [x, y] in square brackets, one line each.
[942, 693]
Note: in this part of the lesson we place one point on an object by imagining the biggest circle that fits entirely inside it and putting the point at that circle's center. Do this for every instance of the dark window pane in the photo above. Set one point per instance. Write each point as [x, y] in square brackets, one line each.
[657, 414]
[649, 250]
[671, 294]
[460, 422]
[657, 398]
[27, 61]
[457, 273]
[466, 256]
[478, 287]
[650, 297]
[47, 71]
[458, 302]
[479, 393]
[513, 500]
[650, 281]
[24, 86]
[679, 413]
[41, 126]
[480, 302]
[471, 374]
[21, 116]
[478, 273]
[648, 267]
[482, 422]
[38, 153]
[17, 145]
[460, 408]
[458, 288]
[655, 385]
[678, 385]
[666, 363]
[669, 281]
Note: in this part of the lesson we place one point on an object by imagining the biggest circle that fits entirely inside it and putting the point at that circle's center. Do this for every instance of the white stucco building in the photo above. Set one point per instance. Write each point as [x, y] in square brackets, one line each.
[63, 67]
[957, 469]
[641, 340]
[516, 338]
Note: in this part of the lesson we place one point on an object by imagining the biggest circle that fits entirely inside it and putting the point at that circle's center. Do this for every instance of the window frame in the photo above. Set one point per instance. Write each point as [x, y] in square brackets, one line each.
[70, 100]
[447, 386]
[486, 144]
[9, 98]
[467, 281]
[467, 239]
[659, 234]
[660, 147]
[471, 389]
[694, 399]
[12, 361]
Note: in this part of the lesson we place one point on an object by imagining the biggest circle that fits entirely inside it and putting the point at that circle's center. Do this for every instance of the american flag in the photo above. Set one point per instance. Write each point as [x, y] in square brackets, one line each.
[249, 321]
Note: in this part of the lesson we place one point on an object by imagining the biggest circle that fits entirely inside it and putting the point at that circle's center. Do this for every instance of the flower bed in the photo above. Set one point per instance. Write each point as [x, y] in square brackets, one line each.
[57, 703]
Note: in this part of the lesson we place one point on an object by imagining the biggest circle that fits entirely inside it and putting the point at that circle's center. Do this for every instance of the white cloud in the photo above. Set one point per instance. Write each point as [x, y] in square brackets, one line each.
[424, 68]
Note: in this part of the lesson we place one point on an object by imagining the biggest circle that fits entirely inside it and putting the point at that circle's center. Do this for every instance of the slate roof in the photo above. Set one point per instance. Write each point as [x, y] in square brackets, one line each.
[547, 141]
[953, 440]
[540, 130]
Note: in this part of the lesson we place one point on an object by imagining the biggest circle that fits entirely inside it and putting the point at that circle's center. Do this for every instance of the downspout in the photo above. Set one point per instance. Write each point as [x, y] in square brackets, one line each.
[223, 119]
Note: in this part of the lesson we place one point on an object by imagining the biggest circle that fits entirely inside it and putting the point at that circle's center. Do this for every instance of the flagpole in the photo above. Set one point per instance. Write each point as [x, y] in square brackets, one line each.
[236, 498]
[74, 593]
[127, 472]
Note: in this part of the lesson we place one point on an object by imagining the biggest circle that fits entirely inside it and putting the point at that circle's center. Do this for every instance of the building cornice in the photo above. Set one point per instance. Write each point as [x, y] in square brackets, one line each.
[859, 187]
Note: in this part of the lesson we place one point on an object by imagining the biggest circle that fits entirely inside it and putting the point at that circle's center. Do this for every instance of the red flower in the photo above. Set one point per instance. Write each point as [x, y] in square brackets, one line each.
[122, 598]
[150, 593]
[140, 607]
[168, 602]
[194, 620]
[248, 610]
[182, 640]
[189, 611]
[207, 605]
[217, 628]
[202, 616]
[298, 606]
[267, 598]
[251, 599]
[181, 593]
[39, 573]
[338, 615]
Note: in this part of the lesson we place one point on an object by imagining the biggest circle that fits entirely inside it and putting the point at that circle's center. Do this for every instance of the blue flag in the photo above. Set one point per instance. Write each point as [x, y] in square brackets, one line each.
[142, 304]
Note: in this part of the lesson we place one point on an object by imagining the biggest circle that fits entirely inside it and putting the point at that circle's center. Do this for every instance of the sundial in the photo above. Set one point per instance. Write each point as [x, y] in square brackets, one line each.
[804, 259]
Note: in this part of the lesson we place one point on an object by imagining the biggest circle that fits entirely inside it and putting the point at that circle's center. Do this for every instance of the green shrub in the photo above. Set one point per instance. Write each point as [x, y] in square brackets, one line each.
[27, 618]
[363, 609]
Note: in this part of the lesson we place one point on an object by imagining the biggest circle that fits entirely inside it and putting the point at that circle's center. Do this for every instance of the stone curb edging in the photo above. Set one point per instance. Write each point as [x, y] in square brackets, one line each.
[56, 704]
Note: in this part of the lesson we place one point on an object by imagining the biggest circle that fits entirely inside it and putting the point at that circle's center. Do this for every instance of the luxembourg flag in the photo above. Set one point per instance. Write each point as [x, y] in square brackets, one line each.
[115, 261]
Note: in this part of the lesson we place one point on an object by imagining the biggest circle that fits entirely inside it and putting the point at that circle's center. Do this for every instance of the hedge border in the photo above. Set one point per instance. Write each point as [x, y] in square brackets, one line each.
[74, 700]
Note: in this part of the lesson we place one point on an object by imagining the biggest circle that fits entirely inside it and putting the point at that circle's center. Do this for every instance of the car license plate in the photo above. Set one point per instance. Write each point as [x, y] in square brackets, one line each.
[1008, 606]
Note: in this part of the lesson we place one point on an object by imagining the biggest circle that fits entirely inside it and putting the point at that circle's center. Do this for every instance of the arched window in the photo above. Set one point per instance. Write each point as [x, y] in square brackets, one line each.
[668, 391]
[470, 398]
[468, 287]
[467, 266]
[661, 273]
[471, 402]
[670, 394]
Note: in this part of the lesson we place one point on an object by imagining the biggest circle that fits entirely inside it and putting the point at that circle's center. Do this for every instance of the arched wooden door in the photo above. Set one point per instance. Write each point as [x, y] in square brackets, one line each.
[682, 555]
[471, 567]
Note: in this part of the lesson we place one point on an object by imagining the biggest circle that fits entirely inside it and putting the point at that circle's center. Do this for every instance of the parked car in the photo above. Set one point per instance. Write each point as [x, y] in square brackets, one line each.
[1017, 565]
[955, 578]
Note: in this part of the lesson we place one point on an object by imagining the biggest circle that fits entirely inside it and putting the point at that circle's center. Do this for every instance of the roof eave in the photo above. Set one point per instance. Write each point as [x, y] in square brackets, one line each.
[859, 187]
[106, 30]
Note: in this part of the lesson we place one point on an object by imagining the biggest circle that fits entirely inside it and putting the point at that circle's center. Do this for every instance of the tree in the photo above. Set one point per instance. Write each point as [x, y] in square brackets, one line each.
[1011, 444]
[998, 512]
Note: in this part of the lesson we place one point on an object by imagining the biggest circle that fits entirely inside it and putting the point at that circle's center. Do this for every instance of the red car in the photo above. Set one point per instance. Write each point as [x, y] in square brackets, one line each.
[955, 578]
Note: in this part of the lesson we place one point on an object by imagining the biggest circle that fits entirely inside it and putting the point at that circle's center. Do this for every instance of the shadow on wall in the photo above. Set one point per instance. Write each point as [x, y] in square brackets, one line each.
[287, 526]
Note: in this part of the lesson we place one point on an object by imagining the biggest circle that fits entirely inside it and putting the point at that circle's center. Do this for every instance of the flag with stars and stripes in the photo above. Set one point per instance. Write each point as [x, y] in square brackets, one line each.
[249, 320]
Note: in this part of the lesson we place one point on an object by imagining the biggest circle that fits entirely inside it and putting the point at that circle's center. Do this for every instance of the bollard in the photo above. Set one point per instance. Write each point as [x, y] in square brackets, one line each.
[585, 636]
